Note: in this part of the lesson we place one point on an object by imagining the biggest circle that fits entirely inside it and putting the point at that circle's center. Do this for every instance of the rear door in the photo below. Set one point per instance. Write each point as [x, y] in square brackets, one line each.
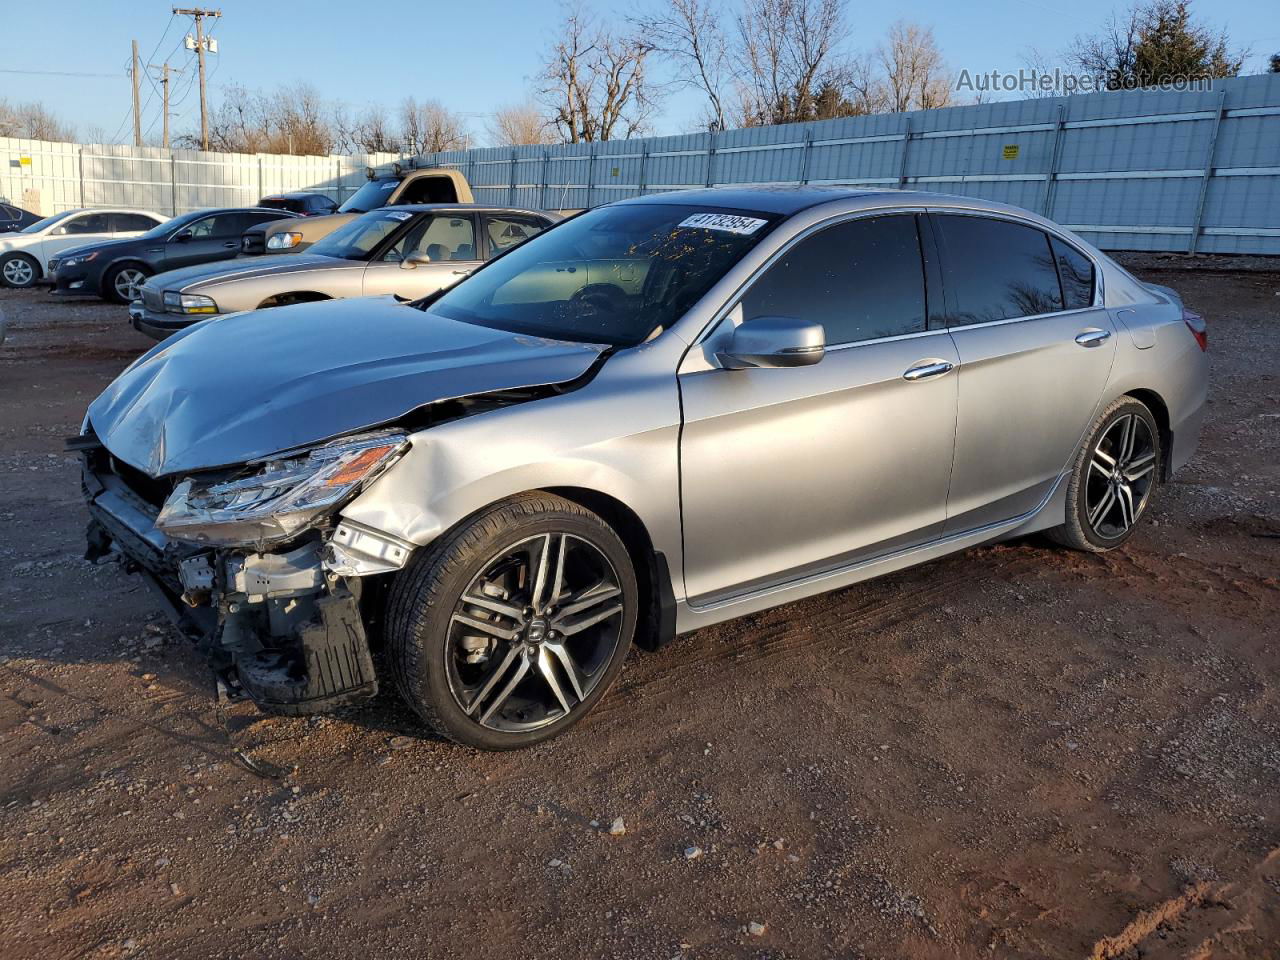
[787, 472]
[446, 240]
[1034, 360]
[129, 224]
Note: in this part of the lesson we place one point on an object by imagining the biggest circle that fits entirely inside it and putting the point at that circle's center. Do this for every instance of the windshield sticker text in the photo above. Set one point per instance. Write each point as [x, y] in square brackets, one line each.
[724, 221]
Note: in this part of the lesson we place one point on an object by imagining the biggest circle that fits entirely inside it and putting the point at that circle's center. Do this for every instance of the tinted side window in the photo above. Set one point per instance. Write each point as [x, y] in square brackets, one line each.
[1075, 270]
[90, 223]
[219, 226]
[130, 223]
[507, 229]
[861, 280]
[997, 270]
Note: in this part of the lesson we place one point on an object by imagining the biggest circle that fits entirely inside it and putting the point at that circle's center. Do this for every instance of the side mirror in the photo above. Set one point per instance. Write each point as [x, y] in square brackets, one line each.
[183, 237]
[413, 261]
[774, 342]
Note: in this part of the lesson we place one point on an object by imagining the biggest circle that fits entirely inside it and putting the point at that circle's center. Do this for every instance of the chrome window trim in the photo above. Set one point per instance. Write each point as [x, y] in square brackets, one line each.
[735, 300]
[1043, 227]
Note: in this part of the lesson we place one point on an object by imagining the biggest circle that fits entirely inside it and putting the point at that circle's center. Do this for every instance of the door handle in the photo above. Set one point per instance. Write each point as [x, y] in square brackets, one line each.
[231, 245]
[462, 273]
[1093, 338]
[928, 369]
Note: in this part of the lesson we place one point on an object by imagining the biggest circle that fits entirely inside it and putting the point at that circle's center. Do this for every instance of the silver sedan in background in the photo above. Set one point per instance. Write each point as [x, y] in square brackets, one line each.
[407, 251]
[658, 415]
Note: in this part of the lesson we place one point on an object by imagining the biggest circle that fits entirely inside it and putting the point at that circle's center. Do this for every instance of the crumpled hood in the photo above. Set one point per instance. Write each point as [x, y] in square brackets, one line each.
[246, 385]
[185, 278]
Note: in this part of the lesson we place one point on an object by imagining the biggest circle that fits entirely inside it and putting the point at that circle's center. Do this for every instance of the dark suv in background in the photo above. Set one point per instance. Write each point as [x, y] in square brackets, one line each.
[116, 269]
[302, 203]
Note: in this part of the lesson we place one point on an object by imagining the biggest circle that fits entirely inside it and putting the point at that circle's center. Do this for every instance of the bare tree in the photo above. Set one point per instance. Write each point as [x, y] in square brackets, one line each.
[430, 127]
[786, 50]
[520, 124]
[368, 131]
[292, 120]
[594, 82]
[690, 35]
[32, 121]
[915, 75]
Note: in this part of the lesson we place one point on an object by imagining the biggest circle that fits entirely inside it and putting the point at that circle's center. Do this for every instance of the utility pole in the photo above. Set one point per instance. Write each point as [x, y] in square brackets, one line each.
[198, 15]
[137, 112]
[165, 70]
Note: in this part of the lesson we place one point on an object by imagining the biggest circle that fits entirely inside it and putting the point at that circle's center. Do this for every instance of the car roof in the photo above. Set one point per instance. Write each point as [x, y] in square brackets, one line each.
[792, 199]
[481, 207]
[294, 195]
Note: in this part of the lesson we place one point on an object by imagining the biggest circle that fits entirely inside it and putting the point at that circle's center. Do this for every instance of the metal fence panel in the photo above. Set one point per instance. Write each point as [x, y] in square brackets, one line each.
[1142, 170]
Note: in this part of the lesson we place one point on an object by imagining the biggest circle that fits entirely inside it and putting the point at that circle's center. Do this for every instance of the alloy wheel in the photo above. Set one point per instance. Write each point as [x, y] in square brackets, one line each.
[534, 632]
[1122, 470]
[18, 272]
[128, 283]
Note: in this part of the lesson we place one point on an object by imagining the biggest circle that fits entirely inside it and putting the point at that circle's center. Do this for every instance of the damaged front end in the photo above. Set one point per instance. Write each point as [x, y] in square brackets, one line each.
[254, 564]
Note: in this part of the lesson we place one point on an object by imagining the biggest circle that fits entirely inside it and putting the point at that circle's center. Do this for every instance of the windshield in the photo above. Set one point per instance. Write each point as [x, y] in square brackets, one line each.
[283, 203]
[612, 275]
[356, 240]
[371, 196]
[162, 231]
[47, 222]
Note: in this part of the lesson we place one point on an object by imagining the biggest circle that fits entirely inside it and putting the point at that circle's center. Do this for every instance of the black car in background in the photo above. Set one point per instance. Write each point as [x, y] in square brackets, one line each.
[302, 203]
[14, 218]
[116, 269]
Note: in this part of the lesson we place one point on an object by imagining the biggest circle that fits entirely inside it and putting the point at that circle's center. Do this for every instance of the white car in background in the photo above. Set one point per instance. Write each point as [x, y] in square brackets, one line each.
[25, 255]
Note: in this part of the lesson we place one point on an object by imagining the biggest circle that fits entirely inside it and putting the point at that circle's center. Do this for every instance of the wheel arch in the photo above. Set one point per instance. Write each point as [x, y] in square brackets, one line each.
[122, 262]
[1160, 410]
[41, 264]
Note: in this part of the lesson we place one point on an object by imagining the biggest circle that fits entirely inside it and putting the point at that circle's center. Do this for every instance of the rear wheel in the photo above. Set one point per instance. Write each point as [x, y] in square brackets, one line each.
[19, 270]
[510, 630]
[1114, 479]
[123, 284]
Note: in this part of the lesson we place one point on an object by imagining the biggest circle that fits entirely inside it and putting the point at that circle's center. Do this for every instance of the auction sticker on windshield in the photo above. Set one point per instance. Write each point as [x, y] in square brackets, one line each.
[727, 222]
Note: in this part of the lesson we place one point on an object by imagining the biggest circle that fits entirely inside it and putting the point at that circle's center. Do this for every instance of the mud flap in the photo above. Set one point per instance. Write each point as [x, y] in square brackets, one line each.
[330, 666]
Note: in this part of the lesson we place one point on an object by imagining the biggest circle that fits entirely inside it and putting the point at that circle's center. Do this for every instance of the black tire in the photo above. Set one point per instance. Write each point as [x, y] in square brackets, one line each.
[109, 291]
[1086, 489]
[424, 598]
[11, 272]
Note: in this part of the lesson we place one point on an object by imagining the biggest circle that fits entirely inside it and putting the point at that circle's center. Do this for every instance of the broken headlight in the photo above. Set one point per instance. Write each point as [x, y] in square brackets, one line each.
[286, 495]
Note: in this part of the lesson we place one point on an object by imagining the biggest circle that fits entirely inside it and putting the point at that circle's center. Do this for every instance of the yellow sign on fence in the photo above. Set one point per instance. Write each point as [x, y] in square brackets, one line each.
[1011, 151]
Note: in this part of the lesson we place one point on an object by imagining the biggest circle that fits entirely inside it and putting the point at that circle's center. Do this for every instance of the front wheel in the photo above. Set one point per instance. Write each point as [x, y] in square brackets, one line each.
[19, 270]
[513, 627]
[1113, 480]
[123, 284]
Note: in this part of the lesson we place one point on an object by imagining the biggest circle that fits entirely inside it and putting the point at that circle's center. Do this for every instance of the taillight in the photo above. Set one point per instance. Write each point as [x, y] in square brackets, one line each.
[1195, 323]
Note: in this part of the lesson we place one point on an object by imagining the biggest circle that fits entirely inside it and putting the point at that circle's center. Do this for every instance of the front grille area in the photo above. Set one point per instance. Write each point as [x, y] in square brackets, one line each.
[153, 490]
[153, 299]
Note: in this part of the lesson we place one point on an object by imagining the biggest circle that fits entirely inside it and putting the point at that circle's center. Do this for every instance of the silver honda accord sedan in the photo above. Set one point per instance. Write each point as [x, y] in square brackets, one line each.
[655, 416]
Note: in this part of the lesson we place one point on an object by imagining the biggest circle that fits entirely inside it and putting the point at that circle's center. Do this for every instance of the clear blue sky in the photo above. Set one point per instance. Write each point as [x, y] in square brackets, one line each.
[473, 56]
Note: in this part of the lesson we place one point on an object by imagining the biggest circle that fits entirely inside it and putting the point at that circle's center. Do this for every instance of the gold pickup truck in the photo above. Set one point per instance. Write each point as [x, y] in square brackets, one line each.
[396, 188]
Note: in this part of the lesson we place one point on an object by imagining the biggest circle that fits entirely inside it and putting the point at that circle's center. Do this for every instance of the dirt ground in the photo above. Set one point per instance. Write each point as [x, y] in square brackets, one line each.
[1015, 752]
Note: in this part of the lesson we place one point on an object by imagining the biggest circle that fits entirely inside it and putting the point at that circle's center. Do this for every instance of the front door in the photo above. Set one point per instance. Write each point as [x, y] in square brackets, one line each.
[215, 237]
[1035, 356]
[787, 472]
[436, 251]
[76, 231]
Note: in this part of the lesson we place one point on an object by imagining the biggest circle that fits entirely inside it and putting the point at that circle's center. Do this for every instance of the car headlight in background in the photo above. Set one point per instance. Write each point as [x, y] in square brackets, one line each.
[175, 302]
[283, 241]
[286, 494]
[76, 261]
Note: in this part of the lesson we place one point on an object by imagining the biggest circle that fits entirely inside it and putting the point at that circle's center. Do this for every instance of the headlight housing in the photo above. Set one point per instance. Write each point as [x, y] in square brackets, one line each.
[176, 302]
[283, 241]
[286, 495]
[77, 260]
